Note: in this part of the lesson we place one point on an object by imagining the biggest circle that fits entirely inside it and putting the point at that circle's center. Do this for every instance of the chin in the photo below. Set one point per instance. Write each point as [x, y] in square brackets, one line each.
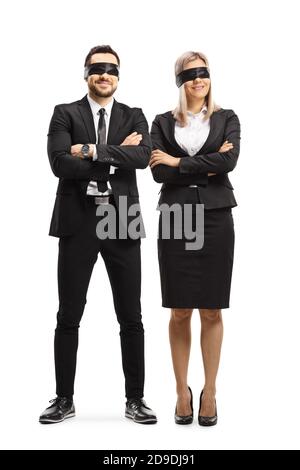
[103, 95]
[100, 93]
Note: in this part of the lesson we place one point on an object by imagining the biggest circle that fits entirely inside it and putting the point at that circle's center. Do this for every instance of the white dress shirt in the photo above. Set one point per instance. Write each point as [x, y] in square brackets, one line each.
[92, 189]
[192, 137]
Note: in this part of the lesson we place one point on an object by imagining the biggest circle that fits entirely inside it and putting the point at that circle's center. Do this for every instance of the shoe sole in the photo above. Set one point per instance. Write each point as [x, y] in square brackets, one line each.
[183, 423]
[51, 421]
[145, 421]
[208, 424]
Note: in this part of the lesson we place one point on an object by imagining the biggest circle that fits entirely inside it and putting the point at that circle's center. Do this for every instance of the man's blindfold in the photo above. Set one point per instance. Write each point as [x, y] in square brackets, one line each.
[99, 68]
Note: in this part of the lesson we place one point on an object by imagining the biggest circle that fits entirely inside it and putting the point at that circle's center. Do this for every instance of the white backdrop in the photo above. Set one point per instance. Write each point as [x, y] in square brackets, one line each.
[254, 66]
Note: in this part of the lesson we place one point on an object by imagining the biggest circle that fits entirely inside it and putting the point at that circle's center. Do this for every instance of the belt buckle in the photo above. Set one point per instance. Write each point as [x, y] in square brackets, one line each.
[101, 200]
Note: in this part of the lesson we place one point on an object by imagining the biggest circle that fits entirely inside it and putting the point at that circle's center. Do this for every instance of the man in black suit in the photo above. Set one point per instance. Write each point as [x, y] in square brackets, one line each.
[94, 147]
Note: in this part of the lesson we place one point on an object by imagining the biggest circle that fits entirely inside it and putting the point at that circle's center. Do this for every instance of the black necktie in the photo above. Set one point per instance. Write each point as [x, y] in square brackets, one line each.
[102, 186]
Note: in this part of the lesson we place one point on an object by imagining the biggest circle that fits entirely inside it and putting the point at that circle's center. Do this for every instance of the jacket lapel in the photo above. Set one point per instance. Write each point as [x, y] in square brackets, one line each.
[114, 123]
[87, 117]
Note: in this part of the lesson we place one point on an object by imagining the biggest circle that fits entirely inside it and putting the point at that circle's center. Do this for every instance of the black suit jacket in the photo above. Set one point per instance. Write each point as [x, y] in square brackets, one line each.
[73, 124]
[214, 191]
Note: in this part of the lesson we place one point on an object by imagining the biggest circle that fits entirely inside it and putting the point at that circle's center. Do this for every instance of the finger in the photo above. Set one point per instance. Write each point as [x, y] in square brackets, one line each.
[156, 153]
[155, 163]
[132, 141]
[130, 136]
[155, 159]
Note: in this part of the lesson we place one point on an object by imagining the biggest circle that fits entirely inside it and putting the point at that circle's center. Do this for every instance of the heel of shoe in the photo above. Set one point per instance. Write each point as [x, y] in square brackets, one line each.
[185, 419]
[207, 420]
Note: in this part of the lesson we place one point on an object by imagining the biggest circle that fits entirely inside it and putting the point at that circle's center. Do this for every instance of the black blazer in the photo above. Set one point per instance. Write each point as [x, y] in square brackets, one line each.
[72, 124]
[214, 191]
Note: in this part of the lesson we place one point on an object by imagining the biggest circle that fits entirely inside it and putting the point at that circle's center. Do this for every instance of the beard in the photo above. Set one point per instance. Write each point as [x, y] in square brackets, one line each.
[102, 93]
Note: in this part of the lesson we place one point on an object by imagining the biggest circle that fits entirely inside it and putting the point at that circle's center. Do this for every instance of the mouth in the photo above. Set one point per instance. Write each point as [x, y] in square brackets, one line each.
[198, 87]
[103, 83]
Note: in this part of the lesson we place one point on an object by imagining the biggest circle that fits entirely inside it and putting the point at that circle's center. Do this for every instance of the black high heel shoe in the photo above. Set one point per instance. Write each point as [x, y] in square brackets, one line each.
[185, 419]
[207, 420]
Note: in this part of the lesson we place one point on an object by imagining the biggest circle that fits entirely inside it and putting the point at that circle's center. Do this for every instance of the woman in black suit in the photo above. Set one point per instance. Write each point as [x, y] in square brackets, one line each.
[195, 146]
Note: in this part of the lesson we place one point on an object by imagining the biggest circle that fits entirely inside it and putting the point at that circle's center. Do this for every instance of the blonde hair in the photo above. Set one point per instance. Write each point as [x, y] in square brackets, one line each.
[180, 112]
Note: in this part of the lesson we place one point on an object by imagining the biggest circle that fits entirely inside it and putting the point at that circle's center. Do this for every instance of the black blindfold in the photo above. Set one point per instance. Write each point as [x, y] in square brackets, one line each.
[99, 68]
[191, 74]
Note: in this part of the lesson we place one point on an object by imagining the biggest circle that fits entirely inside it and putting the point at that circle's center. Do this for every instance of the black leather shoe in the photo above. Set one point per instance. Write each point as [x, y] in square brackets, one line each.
[137, 410]
[207, 420]
[188, 419]
[60, 409]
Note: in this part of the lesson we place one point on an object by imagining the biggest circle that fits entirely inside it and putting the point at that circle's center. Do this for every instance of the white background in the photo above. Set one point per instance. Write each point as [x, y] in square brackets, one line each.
[255, 71]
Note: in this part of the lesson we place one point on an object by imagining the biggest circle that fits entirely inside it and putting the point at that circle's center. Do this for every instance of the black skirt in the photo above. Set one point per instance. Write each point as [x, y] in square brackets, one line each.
[198, 278]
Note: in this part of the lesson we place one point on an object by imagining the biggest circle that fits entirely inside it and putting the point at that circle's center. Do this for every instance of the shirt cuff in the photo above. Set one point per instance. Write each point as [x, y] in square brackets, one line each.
[112, 169]
[95, 156]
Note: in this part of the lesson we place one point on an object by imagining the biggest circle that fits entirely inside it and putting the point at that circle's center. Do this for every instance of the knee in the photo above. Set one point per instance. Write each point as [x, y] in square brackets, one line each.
[210, 315]
[129, 328]
[66, 327]
[179, 315]
[130, 321]
[68, 319]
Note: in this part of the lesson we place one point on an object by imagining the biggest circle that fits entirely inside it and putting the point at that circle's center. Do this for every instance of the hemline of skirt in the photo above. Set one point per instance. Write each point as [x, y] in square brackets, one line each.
[206, 307]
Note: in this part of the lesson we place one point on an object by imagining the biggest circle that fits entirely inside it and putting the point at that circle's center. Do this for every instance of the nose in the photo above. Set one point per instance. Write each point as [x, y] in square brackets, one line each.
[104, 75]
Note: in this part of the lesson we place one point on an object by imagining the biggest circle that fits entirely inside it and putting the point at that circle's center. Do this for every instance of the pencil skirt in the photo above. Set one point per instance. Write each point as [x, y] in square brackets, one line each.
[198, 278]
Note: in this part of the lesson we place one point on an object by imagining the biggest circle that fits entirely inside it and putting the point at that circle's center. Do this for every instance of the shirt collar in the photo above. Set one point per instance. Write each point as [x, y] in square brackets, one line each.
[96, 106]
[203, 111]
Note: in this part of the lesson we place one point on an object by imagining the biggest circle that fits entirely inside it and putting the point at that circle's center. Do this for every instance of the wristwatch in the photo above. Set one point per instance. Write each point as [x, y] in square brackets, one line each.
[85, 151]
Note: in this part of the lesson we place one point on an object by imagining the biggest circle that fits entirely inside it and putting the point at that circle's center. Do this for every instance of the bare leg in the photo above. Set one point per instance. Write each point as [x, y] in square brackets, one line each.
[211, 342]
[180, 342]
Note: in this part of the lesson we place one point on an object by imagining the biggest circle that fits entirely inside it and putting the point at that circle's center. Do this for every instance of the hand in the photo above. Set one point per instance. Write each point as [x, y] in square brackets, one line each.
[225, 147]
[158, 158]
[132, 139]
[76, 150]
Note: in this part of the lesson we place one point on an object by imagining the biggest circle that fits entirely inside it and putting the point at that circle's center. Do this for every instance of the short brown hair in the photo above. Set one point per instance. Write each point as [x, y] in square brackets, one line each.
[99, 49]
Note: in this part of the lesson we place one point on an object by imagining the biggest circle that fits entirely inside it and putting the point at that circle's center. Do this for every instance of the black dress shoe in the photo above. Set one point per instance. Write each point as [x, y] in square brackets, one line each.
[188, 419]
[60, 409]
[207, 420]
[139, 412]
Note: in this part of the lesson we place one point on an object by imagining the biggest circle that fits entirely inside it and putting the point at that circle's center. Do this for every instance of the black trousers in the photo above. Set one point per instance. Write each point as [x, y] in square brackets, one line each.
[77, 256]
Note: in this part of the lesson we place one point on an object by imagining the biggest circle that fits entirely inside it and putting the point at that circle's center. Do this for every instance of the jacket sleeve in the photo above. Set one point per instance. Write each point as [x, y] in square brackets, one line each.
[128, 157]
[167, 174]
[216, 162]
[62, 163]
